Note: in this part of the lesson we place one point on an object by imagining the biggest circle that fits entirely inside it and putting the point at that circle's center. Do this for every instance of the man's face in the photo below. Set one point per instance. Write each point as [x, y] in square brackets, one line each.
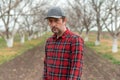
[56, 24]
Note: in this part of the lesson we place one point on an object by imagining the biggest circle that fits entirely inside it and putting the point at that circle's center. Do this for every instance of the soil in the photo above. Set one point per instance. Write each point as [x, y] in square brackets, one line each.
[29, 66]
[98, 68]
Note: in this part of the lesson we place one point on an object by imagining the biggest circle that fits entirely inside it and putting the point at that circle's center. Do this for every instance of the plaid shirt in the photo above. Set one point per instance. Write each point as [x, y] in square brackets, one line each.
[63, 57]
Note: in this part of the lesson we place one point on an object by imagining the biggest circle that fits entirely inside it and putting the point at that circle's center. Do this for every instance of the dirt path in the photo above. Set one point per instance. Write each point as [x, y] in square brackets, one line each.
[25, 67]
[98, 68]
[29, 66]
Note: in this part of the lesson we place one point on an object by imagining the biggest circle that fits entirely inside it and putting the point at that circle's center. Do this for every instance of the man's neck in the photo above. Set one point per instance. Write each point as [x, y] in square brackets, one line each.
[59, 35]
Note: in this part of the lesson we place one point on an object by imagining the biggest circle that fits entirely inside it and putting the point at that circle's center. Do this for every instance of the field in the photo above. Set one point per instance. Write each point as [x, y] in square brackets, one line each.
[105, 47]
[7, 54]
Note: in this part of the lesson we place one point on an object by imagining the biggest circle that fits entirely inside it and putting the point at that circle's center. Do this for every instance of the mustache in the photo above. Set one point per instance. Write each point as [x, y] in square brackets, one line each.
[52, 27]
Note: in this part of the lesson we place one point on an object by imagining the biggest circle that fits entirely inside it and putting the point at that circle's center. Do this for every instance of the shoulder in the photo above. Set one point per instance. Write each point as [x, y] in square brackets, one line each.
[49, 38]
[48, 41]
[76, 37]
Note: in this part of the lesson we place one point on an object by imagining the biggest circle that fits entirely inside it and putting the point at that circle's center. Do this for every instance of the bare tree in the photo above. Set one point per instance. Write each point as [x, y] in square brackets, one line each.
[75, 21]
[112, 24]
[97, 6]
[37, 18]
[88, 18]
[23, 16]
[32, 17]
[9, 20]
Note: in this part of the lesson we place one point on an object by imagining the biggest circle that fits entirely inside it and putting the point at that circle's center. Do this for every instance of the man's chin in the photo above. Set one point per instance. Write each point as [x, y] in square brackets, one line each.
[55, 32]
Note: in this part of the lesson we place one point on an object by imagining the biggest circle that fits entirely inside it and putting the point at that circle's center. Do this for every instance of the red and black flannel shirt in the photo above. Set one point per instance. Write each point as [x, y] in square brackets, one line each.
[63, 57]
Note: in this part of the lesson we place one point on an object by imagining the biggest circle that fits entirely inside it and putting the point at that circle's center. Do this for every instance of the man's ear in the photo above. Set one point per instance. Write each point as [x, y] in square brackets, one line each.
[64, 20]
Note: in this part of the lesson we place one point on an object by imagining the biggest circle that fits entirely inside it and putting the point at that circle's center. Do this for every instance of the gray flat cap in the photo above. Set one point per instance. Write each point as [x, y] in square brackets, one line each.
[55, 12]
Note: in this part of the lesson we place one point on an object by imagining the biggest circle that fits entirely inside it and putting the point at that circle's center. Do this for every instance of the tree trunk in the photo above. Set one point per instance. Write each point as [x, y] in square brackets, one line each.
[115, 45]
[35, 36]
[86, 37]
[30, 37]
[43, 33]
[97, 42]
[9, 42]
[22, 41]
[39, 34]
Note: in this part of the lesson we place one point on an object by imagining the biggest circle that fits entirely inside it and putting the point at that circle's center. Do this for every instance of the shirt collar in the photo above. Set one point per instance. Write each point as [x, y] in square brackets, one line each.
[63, 36]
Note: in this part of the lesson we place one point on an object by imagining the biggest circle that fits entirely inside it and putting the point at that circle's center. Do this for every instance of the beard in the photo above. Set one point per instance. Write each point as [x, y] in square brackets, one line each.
[55, 30]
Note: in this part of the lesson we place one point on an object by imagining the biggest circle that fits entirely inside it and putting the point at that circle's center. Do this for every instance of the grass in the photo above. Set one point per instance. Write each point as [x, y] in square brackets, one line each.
[105, 48]
[2, 43]
[7, 54]
[110, 57]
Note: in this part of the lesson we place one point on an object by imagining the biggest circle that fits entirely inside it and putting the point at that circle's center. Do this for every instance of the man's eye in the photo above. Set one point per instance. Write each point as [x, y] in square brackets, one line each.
[50, 21]
[56, 20]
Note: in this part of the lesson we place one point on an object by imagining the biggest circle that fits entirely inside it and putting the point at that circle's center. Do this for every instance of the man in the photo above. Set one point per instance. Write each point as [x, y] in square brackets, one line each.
[63, 50]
